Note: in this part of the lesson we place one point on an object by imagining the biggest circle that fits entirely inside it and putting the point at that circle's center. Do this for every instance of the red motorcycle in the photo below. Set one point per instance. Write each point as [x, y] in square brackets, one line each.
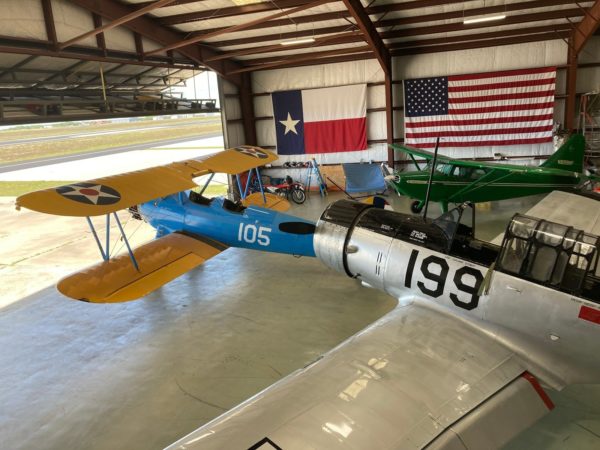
[287, 189]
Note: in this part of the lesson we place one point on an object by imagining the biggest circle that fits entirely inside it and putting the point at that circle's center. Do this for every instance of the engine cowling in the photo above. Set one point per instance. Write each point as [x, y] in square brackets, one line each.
[354, 238]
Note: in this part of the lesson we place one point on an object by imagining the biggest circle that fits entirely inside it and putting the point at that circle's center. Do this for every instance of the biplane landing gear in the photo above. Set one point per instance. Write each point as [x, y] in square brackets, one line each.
[416, 207]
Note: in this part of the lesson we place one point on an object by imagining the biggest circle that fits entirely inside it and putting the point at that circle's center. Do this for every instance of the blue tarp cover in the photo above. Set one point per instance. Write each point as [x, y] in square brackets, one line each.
[363, 178]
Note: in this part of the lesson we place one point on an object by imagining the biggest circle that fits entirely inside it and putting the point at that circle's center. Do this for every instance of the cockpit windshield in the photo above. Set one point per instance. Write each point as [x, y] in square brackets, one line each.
[448, 222]
[549, 253]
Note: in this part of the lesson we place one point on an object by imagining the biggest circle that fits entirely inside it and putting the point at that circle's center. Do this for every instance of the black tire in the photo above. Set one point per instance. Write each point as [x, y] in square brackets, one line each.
[415, 208]
[298, 195]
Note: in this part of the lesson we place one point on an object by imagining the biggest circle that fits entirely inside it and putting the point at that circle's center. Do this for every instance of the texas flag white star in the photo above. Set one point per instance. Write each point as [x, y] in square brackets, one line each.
[289, 124]
[92, 193]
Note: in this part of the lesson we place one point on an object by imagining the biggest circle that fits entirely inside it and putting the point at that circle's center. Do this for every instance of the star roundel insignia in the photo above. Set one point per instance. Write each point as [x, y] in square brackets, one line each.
[90, 193]
[252, 151]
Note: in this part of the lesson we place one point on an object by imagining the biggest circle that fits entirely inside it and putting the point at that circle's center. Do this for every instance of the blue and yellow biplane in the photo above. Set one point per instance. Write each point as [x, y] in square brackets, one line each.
[191, 228]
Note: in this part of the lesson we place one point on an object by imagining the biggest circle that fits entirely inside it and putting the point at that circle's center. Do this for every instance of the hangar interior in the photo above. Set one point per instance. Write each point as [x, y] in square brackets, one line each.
[143, 374]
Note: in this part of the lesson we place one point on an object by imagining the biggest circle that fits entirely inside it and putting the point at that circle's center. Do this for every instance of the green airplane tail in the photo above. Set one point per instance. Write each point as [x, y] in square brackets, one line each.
[569, 156]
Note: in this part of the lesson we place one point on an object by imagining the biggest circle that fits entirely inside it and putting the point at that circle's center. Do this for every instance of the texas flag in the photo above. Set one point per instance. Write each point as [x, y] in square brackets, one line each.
[323, 120]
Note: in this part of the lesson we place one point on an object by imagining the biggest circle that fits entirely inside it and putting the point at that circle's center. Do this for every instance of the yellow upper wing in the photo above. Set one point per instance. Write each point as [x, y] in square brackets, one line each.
[109, 194]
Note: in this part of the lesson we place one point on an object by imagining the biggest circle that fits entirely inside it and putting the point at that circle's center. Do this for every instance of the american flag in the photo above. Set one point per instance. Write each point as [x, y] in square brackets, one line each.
[513, 107]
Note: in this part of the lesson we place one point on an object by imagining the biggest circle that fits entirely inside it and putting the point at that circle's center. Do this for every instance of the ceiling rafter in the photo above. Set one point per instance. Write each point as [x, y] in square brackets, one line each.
[115, 22]
[310, 18]
[49, 21]
[175, 3]
[511, 20]
[482, 43]
[100, 40]
[320, 17]
[17, 66]
[557, 29]
[263, 63]
[151, 29]
[242, 26]
[370, 34]
[17, 47]
[235, 11]
[368, 54]
[62, 73]
[587, 27]
[336, 39]
[354, 36]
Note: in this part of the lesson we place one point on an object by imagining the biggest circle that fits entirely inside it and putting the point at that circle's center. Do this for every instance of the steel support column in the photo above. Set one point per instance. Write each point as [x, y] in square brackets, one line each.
[571, 86]
[247, 107]
[389, 118]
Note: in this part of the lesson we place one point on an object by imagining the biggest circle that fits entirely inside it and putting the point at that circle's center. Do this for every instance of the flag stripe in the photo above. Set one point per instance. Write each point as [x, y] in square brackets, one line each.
[502, 85]
[482, 110]
[499, 120]
[486, 132]
[487, 143]
[511, 96]
[330, 136]
[541, 92]
[341, 102]
[479, 76]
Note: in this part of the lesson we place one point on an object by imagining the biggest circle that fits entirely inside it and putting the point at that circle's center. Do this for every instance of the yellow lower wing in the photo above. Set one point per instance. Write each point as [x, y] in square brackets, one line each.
[159, 261]
[270, 201]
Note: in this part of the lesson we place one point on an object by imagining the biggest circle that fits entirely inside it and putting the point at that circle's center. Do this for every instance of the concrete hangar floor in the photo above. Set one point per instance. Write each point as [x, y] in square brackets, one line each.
[142, 374]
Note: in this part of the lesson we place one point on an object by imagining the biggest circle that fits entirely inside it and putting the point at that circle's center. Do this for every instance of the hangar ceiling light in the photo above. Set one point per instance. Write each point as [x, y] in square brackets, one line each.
[245, 2]
[307, 40]
[485, 17]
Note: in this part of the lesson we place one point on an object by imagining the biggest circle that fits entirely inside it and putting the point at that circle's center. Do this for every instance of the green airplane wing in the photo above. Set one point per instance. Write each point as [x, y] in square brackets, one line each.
[441, 159]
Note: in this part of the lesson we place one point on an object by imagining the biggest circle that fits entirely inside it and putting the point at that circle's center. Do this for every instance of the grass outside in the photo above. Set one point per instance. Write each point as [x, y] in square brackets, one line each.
[42, 149]
[96, 126]
[16, 188]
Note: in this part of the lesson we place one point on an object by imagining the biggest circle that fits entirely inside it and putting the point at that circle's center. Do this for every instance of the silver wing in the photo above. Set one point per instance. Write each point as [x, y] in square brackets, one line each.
[416, 378]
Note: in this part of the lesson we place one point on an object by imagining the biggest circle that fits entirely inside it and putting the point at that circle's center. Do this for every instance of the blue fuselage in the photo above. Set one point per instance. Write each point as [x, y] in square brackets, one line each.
[253, 227]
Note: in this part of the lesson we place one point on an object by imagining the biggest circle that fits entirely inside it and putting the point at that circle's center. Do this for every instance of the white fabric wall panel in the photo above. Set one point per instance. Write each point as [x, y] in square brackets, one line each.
[376, 125]
[232, 108]
[591, 51]
[72, 21]
[120, 38]
[376, 96]
[519, 56]
[263, 106]
[324, 75]
[23, 18]
[265, 133]
[235, 135]
[588, 79]
[228, 88]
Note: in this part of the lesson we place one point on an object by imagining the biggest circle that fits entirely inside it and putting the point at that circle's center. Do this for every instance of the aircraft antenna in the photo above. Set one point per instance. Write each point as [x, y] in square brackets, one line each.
[437, 143]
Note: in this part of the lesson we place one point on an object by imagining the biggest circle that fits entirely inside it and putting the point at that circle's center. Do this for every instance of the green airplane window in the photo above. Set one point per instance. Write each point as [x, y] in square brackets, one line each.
[444, 169]
[477, 173]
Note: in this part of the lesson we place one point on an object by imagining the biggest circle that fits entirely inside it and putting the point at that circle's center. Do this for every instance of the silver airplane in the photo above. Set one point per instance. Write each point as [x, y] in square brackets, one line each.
[480, 334]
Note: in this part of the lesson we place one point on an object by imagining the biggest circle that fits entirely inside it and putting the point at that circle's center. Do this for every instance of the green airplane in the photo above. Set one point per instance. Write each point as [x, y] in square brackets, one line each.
[459, 181]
